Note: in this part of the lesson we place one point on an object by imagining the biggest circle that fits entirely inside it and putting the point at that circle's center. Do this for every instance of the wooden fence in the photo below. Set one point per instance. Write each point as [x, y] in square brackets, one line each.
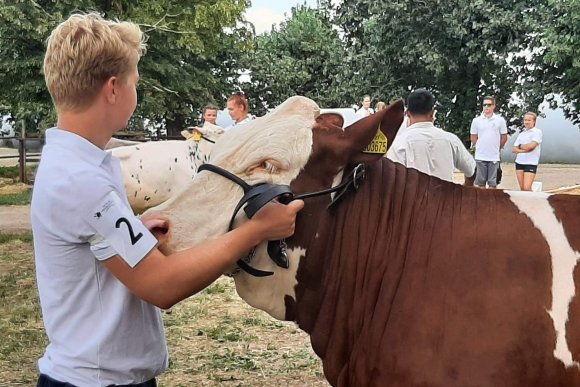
[23, 155]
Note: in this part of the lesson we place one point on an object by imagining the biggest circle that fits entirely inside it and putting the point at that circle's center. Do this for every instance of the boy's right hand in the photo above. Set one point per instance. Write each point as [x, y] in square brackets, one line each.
[278, 220]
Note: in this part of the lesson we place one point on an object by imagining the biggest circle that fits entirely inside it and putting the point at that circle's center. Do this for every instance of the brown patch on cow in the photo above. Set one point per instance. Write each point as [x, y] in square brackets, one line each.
[417, 281]
[566, 208]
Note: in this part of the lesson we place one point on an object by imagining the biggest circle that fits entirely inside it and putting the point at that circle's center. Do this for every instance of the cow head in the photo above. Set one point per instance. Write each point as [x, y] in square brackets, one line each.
[293, 144]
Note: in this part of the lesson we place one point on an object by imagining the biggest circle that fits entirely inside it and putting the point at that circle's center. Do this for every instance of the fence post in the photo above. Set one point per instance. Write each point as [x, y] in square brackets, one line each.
[22, 155]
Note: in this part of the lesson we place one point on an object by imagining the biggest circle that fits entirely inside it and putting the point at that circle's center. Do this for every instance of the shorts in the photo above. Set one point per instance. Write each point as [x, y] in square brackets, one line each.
[486, 173]
[528, 168]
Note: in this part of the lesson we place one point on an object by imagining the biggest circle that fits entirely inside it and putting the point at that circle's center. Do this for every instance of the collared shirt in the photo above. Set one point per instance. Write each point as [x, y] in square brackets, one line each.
[489, 131]
[245, 120]
[431, 150]
[525, 137]
[99, 333]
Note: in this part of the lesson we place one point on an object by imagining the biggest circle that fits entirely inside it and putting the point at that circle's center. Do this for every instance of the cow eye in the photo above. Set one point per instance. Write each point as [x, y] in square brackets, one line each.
[269, 167]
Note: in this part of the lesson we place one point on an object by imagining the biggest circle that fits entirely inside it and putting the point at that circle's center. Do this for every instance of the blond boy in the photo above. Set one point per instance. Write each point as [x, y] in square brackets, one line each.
[101, 277]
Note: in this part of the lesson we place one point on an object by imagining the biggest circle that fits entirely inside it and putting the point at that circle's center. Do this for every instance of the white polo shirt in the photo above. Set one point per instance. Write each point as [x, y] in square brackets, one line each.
[527, 136]
[362, 112]
[489, 131]
[431, 150]
[99, 333]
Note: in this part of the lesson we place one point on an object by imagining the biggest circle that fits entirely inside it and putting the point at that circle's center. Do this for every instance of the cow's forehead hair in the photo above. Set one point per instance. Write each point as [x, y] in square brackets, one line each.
[284, 135]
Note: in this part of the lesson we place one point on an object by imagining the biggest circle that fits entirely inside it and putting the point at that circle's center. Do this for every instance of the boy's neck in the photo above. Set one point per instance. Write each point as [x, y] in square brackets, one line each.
[90, 126]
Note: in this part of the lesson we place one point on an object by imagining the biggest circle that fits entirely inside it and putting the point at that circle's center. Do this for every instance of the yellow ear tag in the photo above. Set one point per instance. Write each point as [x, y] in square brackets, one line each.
[378, 145]
[196, 136]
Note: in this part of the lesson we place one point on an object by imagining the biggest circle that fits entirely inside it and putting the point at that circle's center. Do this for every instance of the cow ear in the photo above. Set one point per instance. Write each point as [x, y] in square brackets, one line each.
[331, 118]
[361, 133]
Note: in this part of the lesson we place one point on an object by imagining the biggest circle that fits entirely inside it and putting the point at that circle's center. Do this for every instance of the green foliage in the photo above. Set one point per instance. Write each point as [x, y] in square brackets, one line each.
[303, 57]
[556, 61]
[458, 50]
[192, 48]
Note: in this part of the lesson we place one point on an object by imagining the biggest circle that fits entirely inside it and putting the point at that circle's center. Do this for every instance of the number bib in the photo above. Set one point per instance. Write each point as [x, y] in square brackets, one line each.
[121, 229]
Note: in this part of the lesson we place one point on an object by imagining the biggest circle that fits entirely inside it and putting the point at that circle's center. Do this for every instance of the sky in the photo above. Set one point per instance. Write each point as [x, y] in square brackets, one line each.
[264, 13]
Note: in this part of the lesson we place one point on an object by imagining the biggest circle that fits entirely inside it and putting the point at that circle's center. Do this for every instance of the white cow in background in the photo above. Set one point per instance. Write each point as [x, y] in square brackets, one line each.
[153, 171]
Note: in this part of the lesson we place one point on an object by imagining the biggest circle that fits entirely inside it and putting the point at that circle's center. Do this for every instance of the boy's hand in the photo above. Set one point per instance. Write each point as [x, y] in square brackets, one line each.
[278, 220]
[159, 226]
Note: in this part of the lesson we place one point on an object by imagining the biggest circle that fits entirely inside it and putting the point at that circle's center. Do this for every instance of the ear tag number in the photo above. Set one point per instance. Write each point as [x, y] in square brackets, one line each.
[378, 145]
[134, 238]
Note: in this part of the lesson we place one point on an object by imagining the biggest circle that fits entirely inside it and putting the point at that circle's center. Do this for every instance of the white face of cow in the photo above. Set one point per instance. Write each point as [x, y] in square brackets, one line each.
[271, 149]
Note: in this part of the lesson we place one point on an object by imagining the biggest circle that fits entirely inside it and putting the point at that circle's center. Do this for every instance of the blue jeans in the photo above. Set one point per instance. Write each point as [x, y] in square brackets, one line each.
[47, 381]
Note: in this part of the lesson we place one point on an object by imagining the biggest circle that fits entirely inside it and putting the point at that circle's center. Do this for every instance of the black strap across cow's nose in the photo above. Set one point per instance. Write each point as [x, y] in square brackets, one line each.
[257, 196]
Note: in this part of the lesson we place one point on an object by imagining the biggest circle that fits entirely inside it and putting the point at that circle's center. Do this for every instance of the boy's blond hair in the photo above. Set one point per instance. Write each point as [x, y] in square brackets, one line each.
[83, 52]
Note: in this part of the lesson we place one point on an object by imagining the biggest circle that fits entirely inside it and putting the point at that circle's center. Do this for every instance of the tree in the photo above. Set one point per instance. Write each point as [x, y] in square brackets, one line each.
[458, 50]
[192, 49]
[556, 63]
[303, 57]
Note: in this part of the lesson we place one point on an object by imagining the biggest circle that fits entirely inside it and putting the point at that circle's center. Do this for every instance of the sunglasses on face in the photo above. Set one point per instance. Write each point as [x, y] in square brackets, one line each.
[487, 104]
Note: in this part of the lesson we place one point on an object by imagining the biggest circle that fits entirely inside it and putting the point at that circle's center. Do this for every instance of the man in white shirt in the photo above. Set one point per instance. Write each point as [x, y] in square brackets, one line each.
[101, 278]
[488, 135]
[365, 109]
[427, 148]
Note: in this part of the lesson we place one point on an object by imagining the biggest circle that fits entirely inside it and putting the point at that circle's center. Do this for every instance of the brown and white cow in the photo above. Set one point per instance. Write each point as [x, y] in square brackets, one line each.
[154, 171]
[411, 280]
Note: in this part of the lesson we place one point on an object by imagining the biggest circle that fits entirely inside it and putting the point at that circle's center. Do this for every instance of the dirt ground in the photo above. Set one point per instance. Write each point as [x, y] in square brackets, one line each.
[16, 219]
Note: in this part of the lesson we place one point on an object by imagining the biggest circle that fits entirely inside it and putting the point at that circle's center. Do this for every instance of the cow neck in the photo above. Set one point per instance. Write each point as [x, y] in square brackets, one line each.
[345, 274]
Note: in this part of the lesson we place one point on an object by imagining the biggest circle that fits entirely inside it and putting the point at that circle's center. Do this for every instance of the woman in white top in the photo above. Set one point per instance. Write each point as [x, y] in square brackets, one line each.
[527, 147]
[238, 108]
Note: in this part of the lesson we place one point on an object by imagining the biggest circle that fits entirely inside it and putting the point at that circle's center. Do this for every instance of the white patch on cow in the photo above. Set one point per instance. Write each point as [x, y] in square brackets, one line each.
[284, 137]
[154, 171]
[316, 236]
[269, 293]
[564, 260]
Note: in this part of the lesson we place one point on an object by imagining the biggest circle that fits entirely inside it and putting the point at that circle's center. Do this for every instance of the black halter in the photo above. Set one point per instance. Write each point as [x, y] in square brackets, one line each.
[257, 196]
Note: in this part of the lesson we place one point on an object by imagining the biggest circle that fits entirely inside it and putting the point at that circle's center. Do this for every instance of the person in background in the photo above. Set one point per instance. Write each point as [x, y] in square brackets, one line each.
[527, 148]
[209, 115]
[427, 148]
[238, 109]
[380, 106]
[365, 109]
[488, 136]
[100, 275]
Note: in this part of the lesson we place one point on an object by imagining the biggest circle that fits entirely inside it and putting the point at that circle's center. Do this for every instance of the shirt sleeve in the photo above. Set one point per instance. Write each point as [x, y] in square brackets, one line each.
[537, 136]
[473, 129]
[118, 231]
[503, 126]
[464, 161]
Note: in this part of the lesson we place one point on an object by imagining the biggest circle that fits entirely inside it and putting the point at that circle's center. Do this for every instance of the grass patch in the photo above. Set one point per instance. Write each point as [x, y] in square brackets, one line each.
[14, 172]
[214, 338]
[14, 199]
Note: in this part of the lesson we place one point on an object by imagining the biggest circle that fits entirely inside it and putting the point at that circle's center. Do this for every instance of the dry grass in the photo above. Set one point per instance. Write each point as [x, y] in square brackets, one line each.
[214, 338]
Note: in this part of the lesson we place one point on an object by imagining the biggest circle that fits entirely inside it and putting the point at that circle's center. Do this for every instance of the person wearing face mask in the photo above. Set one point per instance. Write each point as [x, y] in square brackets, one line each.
[488, 136]
[527, 149]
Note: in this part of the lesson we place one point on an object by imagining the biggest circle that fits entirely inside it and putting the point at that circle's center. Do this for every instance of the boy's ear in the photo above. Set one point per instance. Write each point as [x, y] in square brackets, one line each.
[109, 89]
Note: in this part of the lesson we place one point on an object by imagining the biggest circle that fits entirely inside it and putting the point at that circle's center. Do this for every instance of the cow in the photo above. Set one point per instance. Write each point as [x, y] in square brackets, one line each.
[409, 280]
[153, 171]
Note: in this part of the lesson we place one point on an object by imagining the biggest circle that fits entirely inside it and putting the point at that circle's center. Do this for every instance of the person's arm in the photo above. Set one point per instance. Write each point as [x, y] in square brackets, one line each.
[165, 280]
[465, 162]
[473, 139]
[503, 140]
